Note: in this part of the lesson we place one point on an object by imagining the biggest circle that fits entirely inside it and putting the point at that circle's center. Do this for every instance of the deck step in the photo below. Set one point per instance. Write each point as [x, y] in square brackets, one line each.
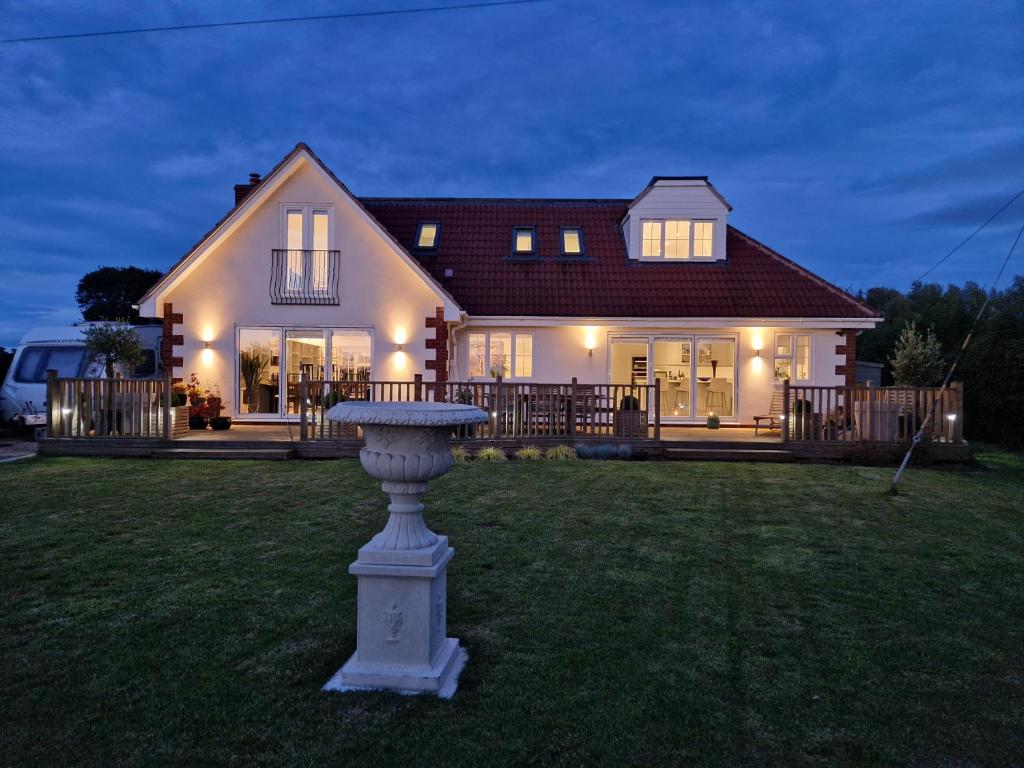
[728, 454]
[263, 454]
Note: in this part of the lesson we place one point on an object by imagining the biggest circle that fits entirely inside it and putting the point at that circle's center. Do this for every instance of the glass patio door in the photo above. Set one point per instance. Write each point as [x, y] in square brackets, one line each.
[304, 357]
[672, 363]
[715, 375]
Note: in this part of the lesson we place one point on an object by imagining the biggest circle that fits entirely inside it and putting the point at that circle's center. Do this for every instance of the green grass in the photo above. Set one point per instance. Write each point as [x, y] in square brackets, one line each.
[183, 613]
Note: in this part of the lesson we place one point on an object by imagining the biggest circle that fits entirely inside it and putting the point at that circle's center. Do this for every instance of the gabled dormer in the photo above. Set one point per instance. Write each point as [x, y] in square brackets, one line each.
[677, 219]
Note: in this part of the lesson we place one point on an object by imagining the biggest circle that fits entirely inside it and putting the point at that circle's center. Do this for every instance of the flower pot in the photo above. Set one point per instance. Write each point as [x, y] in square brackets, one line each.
[197, 422]
[220, 423]
[714, 422]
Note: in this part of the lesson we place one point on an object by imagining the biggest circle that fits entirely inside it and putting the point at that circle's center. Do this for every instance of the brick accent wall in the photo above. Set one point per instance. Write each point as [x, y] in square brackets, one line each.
[848, 349]
[171, 340]
[439, 343]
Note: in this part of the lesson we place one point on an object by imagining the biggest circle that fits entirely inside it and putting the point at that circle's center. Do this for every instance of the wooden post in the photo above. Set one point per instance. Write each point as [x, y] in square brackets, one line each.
[168, 393]
[958, 409]
[417, 385]
[869, 407]
[497, 406]
[52, 404]
[572, 408]
[785, 410]
[303, 407]
[657, 409]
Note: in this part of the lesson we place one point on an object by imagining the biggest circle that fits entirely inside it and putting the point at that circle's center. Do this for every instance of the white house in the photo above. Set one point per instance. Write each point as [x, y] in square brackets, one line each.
[325, 284]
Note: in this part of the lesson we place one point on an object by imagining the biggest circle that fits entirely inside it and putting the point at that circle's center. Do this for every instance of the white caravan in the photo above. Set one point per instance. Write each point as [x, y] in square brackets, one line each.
[23, 395]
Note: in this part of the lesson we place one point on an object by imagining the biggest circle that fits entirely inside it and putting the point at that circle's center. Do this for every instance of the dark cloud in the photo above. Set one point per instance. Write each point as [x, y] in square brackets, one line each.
[836, 130]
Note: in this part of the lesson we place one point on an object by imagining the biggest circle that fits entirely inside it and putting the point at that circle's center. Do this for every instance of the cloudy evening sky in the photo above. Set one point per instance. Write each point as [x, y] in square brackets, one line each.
[862, 139]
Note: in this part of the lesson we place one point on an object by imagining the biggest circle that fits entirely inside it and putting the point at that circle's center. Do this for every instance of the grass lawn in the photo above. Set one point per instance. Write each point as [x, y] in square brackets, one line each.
[184, 613]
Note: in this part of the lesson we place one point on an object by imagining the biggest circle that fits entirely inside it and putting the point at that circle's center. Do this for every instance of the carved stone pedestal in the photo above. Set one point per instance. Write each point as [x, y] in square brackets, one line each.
[401, 642]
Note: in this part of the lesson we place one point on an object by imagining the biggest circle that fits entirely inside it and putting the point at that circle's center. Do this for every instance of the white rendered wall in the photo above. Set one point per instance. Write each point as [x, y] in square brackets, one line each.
[378, 292]
[560, 353]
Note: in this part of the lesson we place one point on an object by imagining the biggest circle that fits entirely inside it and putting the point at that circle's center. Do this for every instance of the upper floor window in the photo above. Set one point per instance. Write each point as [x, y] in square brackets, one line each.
[792, 356]
[307, 240]
[500, 353]
[523, 241]
[676, 239]
[572, 241]
[426, 236]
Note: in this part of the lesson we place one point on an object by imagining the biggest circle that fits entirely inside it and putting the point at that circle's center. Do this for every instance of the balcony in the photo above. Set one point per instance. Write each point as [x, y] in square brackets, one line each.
[304, 277]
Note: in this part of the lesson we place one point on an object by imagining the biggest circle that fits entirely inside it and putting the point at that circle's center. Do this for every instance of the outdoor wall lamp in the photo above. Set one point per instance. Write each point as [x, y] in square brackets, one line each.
[207, 345]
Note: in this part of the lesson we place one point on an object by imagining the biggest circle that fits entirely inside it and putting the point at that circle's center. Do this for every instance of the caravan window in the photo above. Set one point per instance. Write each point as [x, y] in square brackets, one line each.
[36, 361]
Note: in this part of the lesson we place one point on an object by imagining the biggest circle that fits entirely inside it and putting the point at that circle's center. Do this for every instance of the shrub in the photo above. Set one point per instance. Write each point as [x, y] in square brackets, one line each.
[460, 454]
[529, 453]
[491, 453]
[561, 453]
[917, 358]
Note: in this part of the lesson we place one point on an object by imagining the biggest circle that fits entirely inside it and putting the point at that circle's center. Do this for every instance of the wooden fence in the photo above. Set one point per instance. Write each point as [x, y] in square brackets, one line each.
[106, 408]
[517, 410]
[872, 414]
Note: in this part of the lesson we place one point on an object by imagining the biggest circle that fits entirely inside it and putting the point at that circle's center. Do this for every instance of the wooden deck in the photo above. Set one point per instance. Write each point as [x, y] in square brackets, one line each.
[278, 441]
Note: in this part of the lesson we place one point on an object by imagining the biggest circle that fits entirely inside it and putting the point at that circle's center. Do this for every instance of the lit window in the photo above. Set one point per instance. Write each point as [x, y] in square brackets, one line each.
[477, 355]
[572, 241]
[677, 239]
[792, 357]
[523, 240]
[505, 354]
[320, 251]
[803, 358]
[501, 355]
[524, 355]
[702, 238]
[294, 245]
[652, 238]
[426, 237]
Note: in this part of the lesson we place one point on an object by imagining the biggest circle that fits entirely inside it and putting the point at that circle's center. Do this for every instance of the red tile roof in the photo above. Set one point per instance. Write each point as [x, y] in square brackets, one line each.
[476, 239]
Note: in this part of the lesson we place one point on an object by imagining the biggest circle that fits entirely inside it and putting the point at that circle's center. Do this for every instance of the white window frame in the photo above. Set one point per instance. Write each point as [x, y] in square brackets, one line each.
[690, 254]
[792, 356]
[512, 353]
[282, 384]
[307, 209]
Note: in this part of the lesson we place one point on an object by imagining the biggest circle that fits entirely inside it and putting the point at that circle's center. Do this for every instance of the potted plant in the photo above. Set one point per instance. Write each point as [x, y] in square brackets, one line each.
[714, 422]
[179, 410]
[196, 395]
[220, 423]
[252, 366]
[630, 421]
[464, 396]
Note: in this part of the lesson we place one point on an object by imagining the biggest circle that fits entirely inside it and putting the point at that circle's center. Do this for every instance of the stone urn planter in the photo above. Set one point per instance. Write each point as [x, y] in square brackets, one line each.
[401, 642]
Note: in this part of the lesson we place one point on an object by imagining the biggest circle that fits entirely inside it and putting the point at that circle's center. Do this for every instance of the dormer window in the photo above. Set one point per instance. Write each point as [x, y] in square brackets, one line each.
[427, 235]
[572, 241]
[677, 239]
[523, 241]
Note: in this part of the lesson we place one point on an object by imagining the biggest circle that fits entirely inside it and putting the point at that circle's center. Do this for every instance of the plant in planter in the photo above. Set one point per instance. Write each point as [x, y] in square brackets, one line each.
[630, 421]
[253, 364]
[196, 394]
[114, 345]
[331, 399]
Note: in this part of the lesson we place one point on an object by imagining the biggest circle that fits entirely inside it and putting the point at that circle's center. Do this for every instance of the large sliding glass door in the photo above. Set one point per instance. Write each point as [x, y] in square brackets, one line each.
[272, 362]
[697, 373]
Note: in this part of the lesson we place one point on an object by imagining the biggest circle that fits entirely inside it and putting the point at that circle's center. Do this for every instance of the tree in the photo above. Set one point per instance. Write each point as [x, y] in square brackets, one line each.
[114, 345]
[108, 293]
[917, 358]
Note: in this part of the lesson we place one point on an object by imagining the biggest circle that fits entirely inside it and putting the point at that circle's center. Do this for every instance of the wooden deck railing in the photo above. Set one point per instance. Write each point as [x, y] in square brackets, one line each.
[105, 408]
[872, 414]
[516, 409]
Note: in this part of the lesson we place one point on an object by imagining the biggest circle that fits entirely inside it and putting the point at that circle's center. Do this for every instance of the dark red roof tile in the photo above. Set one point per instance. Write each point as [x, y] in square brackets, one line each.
[476, 240]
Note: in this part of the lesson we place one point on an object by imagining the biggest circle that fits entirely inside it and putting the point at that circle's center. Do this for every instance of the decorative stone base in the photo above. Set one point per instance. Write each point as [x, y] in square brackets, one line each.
[440, 678]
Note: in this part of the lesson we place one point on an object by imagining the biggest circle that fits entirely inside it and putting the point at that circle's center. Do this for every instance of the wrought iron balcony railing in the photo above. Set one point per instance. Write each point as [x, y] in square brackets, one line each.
[304, 277]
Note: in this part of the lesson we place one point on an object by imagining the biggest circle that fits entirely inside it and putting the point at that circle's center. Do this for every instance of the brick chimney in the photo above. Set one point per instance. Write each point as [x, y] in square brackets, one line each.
[242, 190]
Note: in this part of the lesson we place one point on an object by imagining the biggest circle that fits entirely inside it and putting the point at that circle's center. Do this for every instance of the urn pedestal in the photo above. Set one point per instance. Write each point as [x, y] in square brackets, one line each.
[401, 633]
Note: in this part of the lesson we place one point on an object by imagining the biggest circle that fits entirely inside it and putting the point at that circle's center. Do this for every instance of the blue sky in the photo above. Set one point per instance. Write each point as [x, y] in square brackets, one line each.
[863, 139]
